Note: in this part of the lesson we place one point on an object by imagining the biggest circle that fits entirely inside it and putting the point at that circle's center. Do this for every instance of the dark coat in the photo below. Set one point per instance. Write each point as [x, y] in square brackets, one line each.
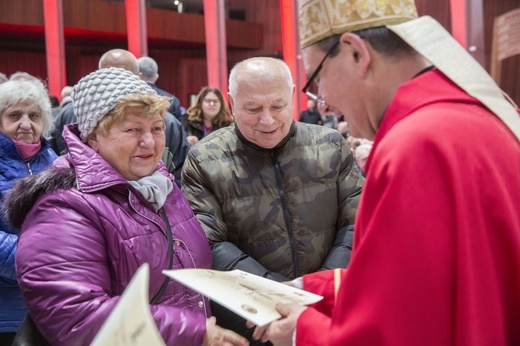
[310, 117]
[196, 128]
[175, 104]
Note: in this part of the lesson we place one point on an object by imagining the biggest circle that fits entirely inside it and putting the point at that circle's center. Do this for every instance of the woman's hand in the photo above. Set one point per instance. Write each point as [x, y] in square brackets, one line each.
[217, 336]
[192, 140]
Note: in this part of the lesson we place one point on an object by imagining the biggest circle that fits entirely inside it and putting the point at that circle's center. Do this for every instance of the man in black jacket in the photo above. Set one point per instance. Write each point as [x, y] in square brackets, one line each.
[311, 114]
[150, 74]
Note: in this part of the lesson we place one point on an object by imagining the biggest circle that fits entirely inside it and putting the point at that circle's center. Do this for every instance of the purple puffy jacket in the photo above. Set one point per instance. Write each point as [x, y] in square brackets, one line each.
[85, 237]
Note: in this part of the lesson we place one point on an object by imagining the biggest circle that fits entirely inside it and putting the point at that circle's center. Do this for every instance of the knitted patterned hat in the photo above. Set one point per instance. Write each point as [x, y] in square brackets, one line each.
[320, 19]
[97, 94]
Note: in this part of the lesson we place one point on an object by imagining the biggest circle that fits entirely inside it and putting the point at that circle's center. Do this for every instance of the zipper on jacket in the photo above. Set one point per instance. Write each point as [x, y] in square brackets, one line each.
[29, 167]
[131, 203]
[28, 163]
[286, 216]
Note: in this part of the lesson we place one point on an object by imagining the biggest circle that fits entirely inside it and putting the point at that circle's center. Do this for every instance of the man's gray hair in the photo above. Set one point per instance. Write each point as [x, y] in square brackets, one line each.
[148, 67]
[259, 64]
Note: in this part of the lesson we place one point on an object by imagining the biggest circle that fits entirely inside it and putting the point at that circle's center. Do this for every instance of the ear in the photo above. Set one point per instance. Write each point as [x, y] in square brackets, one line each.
[93, 142]
[359, 51]
[231, 103]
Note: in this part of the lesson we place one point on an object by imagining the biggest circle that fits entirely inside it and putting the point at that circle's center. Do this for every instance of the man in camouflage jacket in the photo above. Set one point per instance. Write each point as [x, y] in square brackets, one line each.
[276, 198]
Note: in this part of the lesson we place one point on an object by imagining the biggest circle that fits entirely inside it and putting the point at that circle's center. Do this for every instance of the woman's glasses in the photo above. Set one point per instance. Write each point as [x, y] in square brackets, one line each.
[211, 101]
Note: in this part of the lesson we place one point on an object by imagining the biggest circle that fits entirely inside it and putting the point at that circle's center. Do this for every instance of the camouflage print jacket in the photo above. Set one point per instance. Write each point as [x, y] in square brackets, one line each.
[278, 213]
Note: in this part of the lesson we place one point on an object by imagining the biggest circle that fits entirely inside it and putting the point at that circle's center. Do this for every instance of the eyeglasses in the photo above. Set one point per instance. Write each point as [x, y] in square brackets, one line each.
[209, 101]
[313, 76]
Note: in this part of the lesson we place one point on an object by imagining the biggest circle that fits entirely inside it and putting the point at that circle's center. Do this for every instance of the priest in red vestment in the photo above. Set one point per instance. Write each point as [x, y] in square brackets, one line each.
[436, 257]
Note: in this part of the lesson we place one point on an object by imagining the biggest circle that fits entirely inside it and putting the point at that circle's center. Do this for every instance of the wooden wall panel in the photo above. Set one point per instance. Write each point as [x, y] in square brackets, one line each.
[439, 9]
[266, 12]
[32, 62]
[510, 76]
[194, 76]
[28, 12]
[254, 35]
[178, 72]
[95, 15]
[163, 23]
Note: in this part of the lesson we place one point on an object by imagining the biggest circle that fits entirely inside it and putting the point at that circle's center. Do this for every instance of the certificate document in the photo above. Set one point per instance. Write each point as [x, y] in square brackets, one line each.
[250, 296]
[131, 321]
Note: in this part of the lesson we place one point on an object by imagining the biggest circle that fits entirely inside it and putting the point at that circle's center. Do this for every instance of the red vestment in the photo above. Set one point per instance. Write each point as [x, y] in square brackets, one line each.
[436, 258]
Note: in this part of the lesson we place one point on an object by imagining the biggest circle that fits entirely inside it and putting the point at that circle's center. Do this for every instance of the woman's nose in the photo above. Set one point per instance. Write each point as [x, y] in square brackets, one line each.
[25, 122]
[147, 140]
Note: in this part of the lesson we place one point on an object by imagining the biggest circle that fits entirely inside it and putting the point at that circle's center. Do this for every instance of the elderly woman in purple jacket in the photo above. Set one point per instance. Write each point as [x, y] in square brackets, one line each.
[104, 209]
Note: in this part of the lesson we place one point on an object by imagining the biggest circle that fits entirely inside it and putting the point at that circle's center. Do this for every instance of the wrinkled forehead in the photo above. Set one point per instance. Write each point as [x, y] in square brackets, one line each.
[263, 88]
[23, 103]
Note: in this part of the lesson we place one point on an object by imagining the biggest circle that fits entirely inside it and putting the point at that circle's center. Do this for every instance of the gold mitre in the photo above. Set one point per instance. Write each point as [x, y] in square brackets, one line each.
[320, 19]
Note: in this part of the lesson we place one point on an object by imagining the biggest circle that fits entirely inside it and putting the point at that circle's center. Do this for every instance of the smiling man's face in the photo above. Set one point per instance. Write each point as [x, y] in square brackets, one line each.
[263, 106]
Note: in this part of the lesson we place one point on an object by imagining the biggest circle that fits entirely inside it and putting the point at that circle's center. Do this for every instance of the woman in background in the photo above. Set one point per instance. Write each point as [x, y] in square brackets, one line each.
[209, 113]
[25, 122]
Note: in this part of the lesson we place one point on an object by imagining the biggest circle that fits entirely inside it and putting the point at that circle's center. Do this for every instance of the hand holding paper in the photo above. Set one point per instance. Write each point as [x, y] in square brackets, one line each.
[250, 296]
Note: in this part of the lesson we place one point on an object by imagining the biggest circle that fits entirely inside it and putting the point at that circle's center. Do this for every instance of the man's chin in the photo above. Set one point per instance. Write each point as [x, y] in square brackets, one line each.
[267, 144]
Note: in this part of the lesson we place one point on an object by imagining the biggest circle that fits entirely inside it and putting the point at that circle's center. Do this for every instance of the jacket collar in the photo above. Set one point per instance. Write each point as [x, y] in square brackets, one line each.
[9, 148]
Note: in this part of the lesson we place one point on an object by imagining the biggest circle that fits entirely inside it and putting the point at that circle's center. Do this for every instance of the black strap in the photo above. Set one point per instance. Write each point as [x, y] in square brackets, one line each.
[169, 235]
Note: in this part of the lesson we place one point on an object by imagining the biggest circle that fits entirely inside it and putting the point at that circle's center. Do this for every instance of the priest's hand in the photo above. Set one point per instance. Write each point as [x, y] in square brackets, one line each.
[280, 332]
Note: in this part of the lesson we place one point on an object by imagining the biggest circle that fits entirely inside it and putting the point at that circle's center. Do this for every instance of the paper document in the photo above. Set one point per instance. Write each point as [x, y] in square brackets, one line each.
[250, 296]
[131, 322]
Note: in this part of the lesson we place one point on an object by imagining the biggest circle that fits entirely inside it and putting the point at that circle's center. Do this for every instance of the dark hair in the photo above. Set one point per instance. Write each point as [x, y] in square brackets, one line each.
[194, 113]
[54, 101]
[384, 41]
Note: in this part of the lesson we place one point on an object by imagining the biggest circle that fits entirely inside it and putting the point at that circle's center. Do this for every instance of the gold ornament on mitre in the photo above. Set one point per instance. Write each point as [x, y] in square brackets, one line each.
[320, 19]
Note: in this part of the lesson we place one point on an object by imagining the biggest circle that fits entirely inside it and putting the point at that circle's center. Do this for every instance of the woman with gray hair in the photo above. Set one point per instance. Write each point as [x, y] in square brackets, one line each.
[102, 211]
[25, 121]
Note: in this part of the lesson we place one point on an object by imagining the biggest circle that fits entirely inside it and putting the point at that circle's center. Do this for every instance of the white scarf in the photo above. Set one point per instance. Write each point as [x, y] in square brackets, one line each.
[155, 188]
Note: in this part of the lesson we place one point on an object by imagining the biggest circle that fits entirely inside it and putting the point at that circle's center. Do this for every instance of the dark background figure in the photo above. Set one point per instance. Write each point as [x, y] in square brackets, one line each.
[25, 121]
[65, 95]
[311, 114]
[150, 74]
[55, 105]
